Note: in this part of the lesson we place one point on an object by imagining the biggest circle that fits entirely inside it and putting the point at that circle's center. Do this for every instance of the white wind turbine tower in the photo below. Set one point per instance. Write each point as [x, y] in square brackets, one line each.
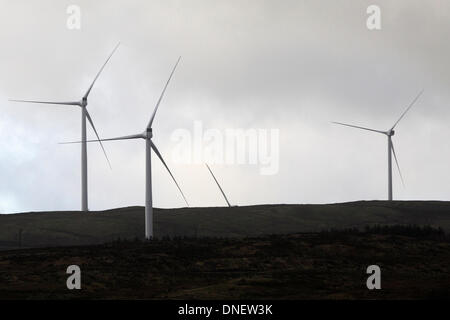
[147, 135]
[390, 133]
[84, 115]
[217, 182]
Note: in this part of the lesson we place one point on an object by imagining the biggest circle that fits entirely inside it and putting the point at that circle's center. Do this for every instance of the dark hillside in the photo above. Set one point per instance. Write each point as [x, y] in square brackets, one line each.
[46, 229]
[415, 264]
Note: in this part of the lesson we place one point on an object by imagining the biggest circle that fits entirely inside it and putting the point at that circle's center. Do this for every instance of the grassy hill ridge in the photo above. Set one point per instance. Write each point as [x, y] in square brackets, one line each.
[46, 229]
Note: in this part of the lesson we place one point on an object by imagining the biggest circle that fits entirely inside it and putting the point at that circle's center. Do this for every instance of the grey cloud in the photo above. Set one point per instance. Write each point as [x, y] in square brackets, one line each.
[292, 65]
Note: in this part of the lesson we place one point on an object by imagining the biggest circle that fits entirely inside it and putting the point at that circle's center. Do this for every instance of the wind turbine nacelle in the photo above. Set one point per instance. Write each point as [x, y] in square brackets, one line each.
[149, 133]
[391, 133]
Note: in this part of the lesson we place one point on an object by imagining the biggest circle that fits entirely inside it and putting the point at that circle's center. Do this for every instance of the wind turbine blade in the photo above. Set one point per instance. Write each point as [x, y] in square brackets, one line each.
[357, 127]
[101, 69]
[162, 95]
[75, 103]
[407, 109]
[98, 138]
[223, 193]
[398, 166]
[134, 136]
[165, 165]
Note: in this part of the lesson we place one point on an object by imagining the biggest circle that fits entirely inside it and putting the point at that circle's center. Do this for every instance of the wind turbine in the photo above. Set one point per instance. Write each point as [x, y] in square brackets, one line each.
[147, 135]
[84, 115]
[223, 193]
[389, 133]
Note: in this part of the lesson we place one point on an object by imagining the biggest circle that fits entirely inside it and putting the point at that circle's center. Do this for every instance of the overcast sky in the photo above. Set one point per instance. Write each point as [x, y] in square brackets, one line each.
[288, 65]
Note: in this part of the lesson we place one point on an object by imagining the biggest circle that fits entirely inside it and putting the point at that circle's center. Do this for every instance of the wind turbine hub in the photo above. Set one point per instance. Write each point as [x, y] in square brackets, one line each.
[391, 133]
